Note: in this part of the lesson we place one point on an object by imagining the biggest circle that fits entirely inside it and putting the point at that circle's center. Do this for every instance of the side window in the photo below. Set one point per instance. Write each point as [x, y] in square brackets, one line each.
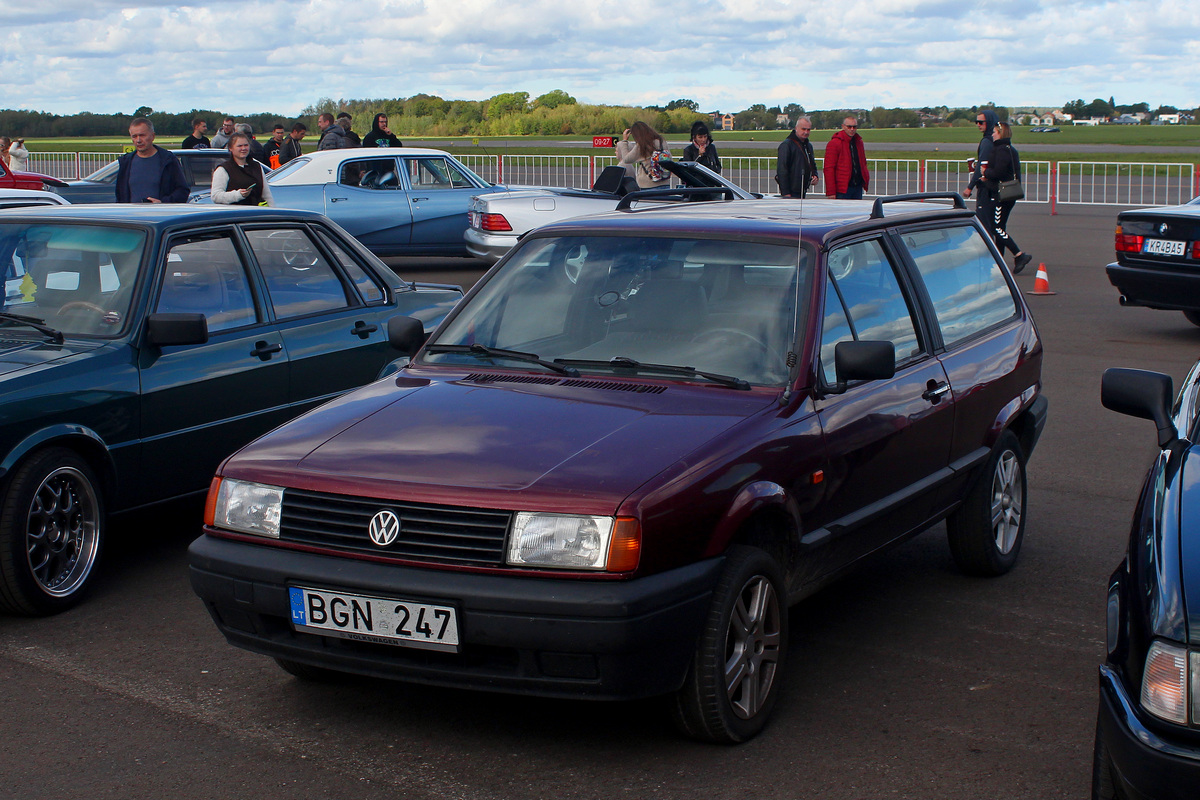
[370, 173]
[965, 283]
[435, 173]
[299, 279]
[205, 275]
[368, 289]
[864, 301]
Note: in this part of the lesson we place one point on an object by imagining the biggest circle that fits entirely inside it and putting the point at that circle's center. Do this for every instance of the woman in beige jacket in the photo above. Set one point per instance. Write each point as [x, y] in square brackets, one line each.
[637, 153]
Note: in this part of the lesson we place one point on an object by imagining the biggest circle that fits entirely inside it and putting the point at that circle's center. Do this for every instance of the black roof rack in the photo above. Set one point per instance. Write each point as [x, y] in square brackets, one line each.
[877, 209]
[648, 194]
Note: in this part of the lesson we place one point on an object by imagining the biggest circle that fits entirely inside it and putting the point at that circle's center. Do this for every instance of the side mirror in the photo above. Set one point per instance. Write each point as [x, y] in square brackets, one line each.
[862, 361]
[1143, 394]
[406, 334]
[176, 328]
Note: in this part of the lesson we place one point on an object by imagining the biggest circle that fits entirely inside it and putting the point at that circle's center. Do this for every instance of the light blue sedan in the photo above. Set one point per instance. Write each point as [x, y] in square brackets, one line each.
[395, 201]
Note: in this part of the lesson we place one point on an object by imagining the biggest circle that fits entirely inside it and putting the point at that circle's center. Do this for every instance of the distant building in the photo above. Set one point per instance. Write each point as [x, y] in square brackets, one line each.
[1126, 119]
[723, 122]
[1169, 119]
[783, 120]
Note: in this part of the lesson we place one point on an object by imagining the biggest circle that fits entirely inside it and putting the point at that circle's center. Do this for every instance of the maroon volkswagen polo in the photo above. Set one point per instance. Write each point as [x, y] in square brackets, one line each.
[639, 439]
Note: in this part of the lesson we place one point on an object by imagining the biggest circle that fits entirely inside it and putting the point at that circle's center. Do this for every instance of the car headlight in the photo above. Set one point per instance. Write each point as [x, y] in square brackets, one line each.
[569, 541]
[1165, 682]
[244, 506]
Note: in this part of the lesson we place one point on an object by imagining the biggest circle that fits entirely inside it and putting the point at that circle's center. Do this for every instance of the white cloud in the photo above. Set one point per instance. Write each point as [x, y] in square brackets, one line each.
[106, 55]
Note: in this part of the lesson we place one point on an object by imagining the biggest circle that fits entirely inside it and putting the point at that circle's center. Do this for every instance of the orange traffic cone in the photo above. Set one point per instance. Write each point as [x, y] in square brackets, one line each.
[1041, 284]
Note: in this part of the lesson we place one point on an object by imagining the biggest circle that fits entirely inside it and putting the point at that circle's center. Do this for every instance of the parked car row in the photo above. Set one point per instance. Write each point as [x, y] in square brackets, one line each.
[474, 519]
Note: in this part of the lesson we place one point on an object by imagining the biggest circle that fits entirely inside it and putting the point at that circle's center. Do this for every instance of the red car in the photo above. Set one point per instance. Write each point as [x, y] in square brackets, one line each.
[26, 180]
[635, 443]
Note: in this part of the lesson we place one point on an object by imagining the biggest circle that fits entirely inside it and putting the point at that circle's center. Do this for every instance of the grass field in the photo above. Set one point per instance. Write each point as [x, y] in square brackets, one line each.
[1116, 137]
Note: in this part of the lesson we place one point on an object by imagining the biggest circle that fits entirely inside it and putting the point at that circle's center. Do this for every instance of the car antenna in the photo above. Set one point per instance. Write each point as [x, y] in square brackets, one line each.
[793, 358]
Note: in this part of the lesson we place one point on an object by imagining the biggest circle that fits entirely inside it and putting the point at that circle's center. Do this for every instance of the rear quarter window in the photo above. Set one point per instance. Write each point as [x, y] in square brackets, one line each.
[964, 282]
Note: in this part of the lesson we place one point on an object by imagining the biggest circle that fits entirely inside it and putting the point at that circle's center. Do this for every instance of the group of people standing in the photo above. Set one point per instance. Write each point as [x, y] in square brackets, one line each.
[847, 176]
[846, 172]
[151, 174]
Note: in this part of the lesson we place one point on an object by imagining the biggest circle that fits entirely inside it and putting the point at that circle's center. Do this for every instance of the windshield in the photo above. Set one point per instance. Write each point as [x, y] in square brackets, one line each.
[78, 279]
[724, 307]
[288, 168]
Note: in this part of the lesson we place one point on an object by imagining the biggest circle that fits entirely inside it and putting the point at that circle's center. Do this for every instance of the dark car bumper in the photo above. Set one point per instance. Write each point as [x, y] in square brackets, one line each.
[1144, 764]
[555, 638]
[1166, 288]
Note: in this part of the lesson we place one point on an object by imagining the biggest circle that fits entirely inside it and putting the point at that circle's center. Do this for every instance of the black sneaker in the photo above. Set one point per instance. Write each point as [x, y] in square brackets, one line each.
[1020, 262]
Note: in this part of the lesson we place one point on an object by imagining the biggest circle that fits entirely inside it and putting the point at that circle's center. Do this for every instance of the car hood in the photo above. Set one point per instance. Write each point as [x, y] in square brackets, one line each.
[594, 441]
[27, 354]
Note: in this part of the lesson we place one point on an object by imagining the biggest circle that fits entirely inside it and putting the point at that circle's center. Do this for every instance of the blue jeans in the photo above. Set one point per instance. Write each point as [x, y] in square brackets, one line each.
[851, 193]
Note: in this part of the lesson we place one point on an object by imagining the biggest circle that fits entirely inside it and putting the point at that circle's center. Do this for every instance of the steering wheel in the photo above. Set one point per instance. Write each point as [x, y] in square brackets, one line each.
[84, 304]
[841, 263]
[714, 333]
[297, 255]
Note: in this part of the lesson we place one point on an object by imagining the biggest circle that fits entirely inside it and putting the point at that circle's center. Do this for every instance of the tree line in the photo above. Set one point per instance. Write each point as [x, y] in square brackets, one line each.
[555, 113]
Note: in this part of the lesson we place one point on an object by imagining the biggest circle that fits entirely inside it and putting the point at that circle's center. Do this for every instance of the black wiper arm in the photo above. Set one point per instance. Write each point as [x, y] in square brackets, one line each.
[483, 351]
[35, 323]
[625, 362]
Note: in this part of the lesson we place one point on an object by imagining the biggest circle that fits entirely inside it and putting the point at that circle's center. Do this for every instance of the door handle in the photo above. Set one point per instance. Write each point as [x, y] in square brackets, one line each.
[338, 199]
[265, 350]
[419, 199]
[934, 391]
[363, 329]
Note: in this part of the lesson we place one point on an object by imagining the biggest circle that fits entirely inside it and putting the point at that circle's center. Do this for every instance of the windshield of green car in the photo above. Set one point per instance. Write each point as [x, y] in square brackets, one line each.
[720, 306]
[78, 279]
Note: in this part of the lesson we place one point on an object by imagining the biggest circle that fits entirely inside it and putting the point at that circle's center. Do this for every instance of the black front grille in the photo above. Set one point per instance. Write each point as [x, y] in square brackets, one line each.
[442, 534]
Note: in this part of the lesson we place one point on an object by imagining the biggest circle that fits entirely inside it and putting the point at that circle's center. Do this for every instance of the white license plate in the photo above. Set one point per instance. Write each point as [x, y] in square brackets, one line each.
[374, 619]
[1164, 247]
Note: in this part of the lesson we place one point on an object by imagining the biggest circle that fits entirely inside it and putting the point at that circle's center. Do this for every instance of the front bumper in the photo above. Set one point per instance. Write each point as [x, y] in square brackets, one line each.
[557, 638]
[1144, 763]
[488, 247]
[1168, 287]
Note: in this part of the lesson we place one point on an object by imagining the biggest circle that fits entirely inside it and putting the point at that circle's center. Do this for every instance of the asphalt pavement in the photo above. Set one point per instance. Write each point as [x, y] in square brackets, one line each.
[906, 680]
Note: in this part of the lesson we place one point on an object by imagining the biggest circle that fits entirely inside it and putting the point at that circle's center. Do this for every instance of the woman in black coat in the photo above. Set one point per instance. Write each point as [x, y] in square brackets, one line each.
[1005, 165]
[702, 149]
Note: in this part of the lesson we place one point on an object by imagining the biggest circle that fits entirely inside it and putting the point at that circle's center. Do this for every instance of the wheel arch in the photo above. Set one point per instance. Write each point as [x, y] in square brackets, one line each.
[77, 438]
[763, 515]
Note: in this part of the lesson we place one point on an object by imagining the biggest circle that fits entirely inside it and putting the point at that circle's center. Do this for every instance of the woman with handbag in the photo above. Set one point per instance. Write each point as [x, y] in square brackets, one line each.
[643, 153]
[1002, 182]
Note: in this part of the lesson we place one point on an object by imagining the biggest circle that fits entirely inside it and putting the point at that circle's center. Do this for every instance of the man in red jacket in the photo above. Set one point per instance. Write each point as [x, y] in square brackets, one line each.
[846, 173]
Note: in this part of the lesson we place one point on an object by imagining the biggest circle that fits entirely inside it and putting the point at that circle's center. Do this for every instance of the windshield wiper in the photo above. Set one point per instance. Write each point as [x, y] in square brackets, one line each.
[483, 351]
[625, 362]
[35, 323]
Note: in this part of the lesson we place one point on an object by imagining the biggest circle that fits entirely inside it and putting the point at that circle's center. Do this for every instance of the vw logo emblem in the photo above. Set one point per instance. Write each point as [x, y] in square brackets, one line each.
[384, 527]
[1162, 228]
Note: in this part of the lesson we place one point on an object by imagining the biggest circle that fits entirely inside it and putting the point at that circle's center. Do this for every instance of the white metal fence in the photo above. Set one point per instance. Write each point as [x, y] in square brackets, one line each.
[69, 166]
[1072, 182]
[1118, 183]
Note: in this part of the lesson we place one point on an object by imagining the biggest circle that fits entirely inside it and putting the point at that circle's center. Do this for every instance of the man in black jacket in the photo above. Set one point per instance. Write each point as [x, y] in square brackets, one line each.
[796, 166]
[291, 145]
[149, 174]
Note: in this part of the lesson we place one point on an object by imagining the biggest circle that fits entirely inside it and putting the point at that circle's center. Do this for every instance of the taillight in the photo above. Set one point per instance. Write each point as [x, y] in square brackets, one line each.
[494, 222]
[1196, 249]
[1127, 243]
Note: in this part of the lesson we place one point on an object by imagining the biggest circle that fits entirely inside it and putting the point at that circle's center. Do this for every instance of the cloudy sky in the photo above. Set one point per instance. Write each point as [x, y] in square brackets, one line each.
[109, 56]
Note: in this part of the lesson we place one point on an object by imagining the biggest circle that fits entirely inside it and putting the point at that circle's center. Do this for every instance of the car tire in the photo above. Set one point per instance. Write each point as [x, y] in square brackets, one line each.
[1103, 786]
[51, 532]
[734, 678]
[307, 672]
[986, 531]
[1192, 317]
